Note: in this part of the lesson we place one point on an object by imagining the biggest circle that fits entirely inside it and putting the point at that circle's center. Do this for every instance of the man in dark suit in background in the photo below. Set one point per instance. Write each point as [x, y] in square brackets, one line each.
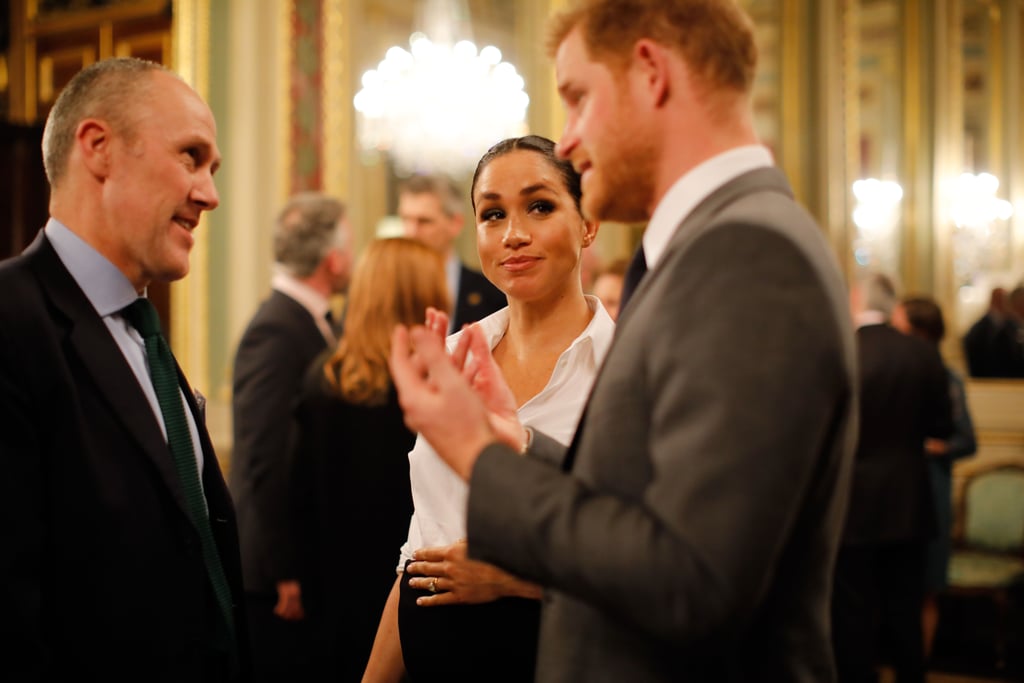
[120, 558]
[879, 585]
[313, 258]
[992, 345]
[691, 531]
[431, 211]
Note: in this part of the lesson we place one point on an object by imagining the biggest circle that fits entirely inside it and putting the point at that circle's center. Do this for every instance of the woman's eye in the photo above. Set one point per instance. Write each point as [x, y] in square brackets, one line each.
[542, 207]
[492, 215]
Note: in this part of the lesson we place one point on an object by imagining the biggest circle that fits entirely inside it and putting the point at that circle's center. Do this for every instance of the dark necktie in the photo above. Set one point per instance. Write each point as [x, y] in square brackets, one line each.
[164, 374]
[635, 273]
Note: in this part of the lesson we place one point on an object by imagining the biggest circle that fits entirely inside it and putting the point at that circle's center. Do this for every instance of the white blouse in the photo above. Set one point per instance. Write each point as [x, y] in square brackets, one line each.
[439, 495]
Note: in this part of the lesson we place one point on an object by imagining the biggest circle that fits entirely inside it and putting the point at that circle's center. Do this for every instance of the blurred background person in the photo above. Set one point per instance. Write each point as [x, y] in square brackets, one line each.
[430, 208]
[878, 590]
[992, 347]
[922, 316]
[312, 261]
[608, 285]
[548, 343]
[350, 493]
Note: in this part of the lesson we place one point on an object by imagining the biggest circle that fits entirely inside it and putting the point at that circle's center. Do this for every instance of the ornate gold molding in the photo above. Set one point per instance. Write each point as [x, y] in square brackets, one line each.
[285, 51]
[793, 22]
[190, 296]
[336, 103]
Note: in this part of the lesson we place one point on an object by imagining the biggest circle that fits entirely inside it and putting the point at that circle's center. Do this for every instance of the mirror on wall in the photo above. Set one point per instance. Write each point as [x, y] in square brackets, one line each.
[980, 211]
[878, 188]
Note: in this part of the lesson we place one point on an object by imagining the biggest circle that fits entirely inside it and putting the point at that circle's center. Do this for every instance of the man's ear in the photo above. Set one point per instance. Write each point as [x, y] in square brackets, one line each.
[93, 141]
[651, 63]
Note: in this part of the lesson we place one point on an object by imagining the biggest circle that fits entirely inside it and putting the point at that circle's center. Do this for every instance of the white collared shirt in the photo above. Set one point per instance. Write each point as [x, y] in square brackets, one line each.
[439, 495]
[869, 317]
[693, 188]
[310, 299]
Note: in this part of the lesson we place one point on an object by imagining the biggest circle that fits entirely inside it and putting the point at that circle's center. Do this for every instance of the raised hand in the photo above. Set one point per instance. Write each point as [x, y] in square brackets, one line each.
[437, 401]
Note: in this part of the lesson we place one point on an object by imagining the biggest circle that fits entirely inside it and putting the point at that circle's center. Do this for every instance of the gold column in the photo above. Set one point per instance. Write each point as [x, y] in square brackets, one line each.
[793, 93]
[285, 49]
[338, 129]
[995, 103]
[840, 158]
[915, 274]
[948, 121]
[189, 297]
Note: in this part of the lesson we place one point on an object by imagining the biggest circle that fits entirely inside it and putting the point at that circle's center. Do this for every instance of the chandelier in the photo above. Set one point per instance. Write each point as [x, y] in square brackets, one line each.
[438, 106]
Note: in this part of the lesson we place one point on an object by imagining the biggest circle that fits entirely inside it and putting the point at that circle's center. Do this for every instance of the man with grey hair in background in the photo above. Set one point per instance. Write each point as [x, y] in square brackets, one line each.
[313, 258]
[879, 577]
[432, 212]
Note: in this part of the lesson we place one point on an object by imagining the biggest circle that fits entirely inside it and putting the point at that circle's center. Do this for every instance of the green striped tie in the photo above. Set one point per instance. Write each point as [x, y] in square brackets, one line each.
[164, 374]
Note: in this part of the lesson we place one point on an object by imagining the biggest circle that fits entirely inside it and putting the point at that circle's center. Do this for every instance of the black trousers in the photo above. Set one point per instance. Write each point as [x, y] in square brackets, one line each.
[279, 647]
[494, 642]
[876, 611]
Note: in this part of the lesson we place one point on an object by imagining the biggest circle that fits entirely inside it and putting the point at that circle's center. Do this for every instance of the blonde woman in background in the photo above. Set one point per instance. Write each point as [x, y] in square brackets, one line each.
[351, 497]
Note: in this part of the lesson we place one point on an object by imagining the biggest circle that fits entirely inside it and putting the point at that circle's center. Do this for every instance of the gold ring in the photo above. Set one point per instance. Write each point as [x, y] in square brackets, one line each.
[433, 585]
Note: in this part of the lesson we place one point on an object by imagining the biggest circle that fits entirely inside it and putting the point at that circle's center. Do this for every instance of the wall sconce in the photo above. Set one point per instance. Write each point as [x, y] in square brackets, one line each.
[981, 237]
[876, 215]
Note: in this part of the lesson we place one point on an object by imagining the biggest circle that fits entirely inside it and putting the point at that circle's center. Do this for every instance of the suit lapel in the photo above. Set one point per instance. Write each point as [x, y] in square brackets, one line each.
[90, 340]
[701, 219]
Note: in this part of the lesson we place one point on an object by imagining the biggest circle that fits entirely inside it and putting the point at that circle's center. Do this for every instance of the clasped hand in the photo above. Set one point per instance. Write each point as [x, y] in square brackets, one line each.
[459, 403]
[458, 580]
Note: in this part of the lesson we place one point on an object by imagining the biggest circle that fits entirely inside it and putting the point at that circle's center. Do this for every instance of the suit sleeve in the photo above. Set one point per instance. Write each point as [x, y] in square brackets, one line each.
[268, 376]
[962, 442]
[741, 396]
[939, 398]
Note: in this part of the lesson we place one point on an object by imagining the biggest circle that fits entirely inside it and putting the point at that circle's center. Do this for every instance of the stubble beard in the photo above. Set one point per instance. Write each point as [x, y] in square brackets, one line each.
[623, 190]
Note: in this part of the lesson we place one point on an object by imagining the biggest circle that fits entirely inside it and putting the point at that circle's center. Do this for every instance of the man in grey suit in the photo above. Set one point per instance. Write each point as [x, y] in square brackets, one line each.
[313, 258]
[691, 531]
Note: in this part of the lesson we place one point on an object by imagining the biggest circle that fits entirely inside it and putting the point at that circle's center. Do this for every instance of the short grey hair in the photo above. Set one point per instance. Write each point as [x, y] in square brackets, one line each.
[440, 186]
[306, 230]
[108, 90]
[879, 293]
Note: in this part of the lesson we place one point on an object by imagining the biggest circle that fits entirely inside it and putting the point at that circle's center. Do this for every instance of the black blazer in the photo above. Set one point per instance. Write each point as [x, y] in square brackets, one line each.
[992, 348]
[904, 398]
[351, 506]
[477, 298]
[277, 347]
[101, 575]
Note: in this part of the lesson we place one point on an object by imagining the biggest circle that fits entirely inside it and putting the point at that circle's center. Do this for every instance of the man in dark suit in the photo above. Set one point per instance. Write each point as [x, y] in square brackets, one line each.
[879, 584]
[312, 254]
[992, 346]
[431, 211]
[120, 556]
[691, 531]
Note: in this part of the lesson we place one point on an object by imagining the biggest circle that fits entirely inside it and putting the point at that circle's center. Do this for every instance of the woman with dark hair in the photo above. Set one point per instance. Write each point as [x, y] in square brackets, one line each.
[922, 316]
[351, 479]
[457, 619]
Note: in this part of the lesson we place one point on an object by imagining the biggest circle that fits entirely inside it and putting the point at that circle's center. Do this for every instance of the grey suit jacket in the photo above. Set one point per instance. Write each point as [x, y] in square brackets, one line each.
[696, 534]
